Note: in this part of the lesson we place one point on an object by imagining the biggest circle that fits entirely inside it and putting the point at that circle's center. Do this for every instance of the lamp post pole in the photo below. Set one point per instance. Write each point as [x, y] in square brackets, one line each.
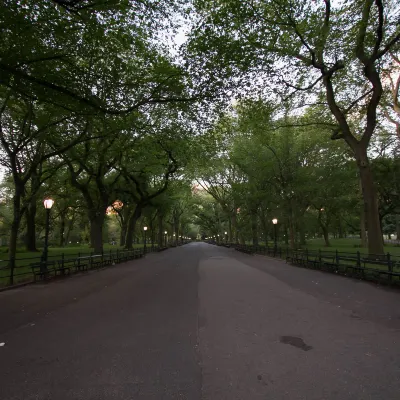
[275, 222]
[48, 203]
[226, 237]
[144, 247]
[165, 238]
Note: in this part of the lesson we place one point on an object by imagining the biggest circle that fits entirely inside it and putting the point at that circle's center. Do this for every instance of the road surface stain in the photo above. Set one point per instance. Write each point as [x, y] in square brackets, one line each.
[296, 342]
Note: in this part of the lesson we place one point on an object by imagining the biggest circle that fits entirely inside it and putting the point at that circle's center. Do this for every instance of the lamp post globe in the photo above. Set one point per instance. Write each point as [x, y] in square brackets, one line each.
[145, 231]
[48, 204]
[275, 222]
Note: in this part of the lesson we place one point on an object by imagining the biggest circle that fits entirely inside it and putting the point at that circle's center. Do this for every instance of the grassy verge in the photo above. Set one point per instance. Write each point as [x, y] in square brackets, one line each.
[347, 246]
[341, 245]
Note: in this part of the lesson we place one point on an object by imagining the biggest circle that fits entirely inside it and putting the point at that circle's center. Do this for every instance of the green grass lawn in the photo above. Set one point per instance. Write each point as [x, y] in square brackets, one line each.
[341, 245]
[347, 245]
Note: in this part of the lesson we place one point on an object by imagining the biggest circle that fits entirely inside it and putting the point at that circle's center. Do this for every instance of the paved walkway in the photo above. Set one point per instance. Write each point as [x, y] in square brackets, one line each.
[200, 322]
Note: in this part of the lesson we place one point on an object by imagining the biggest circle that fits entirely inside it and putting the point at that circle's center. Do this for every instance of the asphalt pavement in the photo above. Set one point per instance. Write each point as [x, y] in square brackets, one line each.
[200, 322]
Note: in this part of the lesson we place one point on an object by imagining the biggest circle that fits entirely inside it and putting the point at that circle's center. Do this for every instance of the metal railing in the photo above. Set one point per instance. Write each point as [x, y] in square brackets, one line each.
[28, 269]
[383, 268]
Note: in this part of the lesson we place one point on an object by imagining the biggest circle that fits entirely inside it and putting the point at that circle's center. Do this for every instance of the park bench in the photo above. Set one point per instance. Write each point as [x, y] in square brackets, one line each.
[88, 262]
[139, 253]
[313, 259]
[351, 263]
[245, 249]
[388, 271]
[65, 266]
[43, 269]
[298, 257]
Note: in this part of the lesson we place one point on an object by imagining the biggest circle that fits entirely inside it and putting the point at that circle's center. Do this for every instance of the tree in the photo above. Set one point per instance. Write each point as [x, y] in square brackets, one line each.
[392, 104]
[64, 58]
[24, 127]
[308, 47]
[92, 171]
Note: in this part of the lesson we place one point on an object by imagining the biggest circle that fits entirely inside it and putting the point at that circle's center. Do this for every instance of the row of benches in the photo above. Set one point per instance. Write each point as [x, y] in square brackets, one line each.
[44, 270]
[346, 264]
[355, 265]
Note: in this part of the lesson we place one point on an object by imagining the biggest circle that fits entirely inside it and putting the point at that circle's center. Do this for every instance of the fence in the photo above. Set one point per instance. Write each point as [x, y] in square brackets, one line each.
[28, 270]
[374, 267]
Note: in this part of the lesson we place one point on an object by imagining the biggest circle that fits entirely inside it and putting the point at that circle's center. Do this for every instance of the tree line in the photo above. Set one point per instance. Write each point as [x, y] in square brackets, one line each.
[272, 108]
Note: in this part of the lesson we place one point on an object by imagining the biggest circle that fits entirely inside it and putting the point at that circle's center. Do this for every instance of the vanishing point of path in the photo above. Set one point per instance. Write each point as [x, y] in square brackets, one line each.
[200, 322]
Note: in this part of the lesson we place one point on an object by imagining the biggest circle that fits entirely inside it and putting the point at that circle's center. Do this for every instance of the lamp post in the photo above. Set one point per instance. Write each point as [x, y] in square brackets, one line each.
[48, 203]
[165, 233]
[174, 239]
[275, 222]
[145, 231]
[226, 237]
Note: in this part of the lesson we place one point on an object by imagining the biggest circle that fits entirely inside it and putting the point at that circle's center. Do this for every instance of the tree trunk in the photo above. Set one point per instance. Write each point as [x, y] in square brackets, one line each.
[124, 228]
[292, 233]
[326, 235]
[363, 234]
[160, 231]
[340, 228]
[130, 233]
[31, 226]
[302, 235]
[254, 228]
[71, 222]
[370, 198]
[230, 238]
[234, 227]
[62, 228]
[398, 227]
[96, 219]
[175, 229]
[324, 228]
[12, 248]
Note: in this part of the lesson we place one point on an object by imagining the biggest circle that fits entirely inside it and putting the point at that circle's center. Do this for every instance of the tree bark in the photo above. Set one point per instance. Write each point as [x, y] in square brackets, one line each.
[324, 227]
[96, 219]
[31, 225]
[62, 228]
[254, 228]
[326, 235]
[370, 199]
[130, 233]
[398, 227]
[230, 238]
[286, 234]
[160, 231]
[17, 215]
[340, 228]
[234, 226]
[303, 241]
[70, 225]
[124, 229]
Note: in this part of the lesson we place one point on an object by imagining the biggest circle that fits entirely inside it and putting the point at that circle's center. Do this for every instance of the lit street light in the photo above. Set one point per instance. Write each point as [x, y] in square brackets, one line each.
[145, 231]
[48, 203]
[166, 233]
[275, 222]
